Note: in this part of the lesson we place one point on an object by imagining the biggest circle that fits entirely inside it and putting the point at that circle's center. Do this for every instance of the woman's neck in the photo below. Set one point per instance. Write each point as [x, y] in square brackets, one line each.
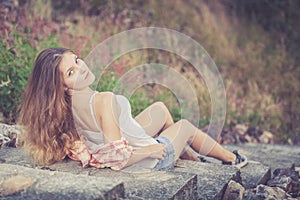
[84, 90]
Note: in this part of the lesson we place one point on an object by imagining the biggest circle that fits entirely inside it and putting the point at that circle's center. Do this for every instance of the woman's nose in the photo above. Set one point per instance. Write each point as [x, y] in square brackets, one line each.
[82, 70]
[80, 67]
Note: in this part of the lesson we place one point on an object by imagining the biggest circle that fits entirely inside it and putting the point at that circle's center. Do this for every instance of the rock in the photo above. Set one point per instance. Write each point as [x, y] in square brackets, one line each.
[189, 180]
[286, 179]
[233, 123]
[255, 173]
[212, 178]
[248, 138]
[241, 129]
[15, 184]
[12, 140]
[253, 132]
[15, 156]
[234, 191]
[228, 139]
[266, 193]
[267, 138]
[166, 184]
[151, 184]
[140, 185]
[2, 118]
[20, 182]
[295, 190]
[8, 135]
[284, 182]
[290, 172]
[290, 141]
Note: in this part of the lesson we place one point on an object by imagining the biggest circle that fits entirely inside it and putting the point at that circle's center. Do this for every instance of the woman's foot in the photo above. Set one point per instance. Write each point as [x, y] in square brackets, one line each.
[240, 161]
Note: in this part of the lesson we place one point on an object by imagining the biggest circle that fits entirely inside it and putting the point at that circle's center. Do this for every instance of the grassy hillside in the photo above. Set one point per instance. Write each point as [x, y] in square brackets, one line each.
[261, 76]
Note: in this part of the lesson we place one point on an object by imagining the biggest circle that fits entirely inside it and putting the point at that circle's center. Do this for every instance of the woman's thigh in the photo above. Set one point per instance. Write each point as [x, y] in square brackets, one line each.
[179, 134]
[153, 118]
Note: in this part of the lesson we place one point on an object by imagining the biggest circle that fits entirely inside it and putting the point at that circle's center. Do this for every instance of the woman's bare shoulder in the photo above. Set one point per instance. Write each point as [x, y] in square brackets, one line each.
[104, 98]
[105, 94]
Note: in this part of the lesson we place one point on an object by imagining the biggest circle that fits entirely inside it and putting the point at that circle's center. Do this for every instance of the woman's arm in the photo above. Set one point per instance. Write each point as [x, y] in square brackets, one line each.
[157, 151]
[107, 112]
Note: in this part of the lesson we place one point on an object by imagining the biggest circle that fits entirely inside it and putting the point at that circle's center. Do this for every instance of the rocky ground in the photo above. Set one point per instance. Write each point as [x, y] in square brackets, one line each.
[272, 173]
[242, 133]
[284, 163]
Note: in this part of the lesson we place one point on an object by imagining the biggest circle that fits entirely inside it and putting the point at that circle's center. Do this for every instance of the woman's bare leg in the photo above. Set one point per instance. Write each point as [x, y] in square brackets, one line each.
[155, 119]
[183, 132]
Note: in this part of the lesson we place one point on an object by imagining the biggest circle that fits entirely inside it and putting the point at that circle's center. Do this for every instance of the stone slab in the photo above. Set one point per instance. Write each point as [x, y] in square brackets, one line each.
[17, 157]
[146, 184]
[255, 173]
[155, 184]
[212, 178]
[44, 184]
[14, 155]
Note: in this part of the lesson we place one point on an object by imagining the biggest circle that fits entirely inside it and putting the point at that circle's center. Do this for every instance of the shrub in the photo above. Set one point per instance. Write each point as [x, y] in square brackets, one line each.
[16, 64]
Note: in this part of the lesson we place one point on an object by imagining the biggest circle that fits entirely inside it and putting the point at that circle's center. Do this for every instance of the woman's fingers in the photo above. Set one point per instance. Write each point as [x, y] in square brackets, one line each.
[159, 151]
[163, 152]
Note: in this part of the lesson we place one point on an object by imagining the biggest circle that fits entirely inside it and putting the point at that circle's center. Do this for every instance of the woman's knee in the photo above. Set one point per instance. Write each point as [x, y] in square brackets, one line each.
[161, 105]
[159, 108]
[187, 126]
[184, 122]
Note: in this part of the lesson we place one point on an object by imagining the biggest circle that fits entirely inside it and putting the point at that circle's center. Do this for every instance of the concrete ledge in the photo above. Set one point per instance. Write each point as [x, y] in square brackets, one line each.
[14, 155]
[212, 178]
[143, 185]
[161, 185]
[18, 182]
[147, 184]
[189, 180]
[255, 173]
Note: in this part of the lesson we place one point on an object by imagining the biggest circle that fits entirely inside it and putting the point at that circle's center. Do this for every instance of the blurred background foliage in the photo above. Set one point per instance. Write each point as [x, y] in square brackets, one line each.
[255, 45]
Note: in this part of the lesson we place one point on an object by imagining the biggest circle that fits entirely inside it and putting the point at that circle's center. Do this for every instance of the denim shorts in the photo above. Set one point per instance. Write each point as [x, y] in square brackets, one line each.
[169, 160]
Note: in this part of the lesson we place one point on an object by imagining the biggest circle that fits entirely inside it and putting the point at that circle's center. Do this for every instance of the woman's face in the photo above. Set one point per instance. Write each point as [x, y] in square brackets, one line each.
[76, 73]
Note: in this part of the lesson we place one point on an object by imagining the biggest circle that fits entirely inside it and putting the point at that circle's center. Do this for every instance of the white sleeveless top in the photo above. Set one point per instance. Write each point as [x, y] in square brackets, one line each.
[92, 134]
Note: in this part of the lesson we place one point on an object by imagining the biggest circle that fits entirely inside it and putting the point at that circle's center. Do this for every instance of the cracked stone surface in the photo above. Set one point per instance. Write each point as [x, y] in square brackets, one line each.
[255, 173]
[166, 184]
[189, 180]
[44, 184]
[212, 178]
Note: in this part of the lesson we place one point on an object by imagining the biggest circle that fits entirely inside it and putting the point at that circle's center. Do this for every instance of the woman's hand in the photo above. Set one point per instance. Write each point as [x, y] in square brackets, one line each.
[157, 151]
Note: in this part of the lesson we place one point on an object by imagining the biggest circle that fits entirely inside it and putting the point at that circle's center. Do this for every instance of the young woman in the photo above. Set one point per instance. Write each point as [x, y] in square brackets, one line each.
[59, 109]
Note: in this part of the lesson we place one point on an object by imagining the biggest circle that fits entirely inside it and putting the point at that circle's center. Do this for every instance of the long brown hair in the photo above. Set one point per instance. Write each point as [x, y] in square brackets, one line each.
[46, 112]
